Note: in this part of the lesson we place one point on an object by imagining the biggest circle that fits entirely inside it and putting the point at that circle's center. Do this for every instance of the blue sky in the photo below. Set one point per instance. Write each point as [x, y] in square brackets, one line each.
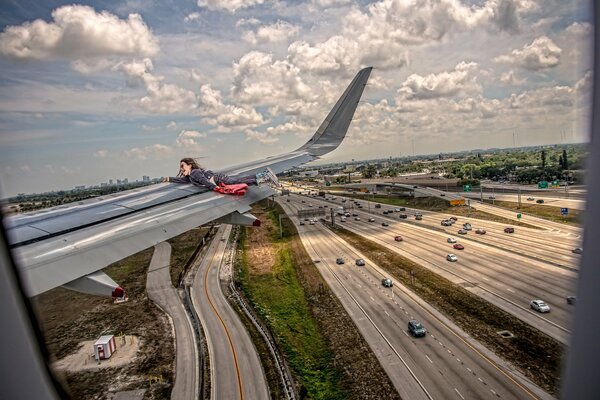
[91, 91]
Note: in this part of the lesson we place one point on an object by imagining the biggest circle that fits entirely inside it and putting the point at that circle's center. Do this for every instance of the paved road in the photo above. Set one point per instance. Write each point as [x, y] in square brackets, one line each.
[445, 364]
[236, 371]
[506, 270]
[161, 291]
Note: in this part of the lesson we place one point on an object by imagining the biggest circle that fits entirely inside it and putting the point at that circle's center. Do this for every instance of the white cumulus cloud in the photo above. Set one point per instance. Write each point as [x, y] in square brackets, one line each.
[541, 54]
[79, 32]
[446, 84]
[277, 32]
[228, 5]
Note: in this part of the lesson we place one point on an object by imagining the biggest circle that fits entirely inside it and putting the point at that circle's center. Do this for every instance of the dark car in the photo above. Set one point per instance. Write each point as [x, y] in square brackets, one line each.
[458, 246]
[377, 205]
[480, 231]
[398, 238]
[577, 250]
[540, 201]
[416, 329]
[402, 209]
[385, 224]
[339, 260]
[385, 212]
[387, 282]
[571, 300]
[360, 262]
[403, 216]
[509, 230]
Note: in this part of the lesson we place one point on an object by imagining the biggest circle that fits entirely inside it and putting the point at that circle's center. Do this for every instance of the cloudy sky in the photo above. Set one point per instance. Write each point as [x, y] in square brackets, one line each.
[120, 89]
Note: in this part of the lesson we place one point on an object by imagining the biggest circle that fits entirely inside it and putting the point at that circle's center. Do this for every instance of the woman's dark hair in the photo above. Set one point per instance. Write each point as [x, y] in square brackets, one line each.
[189, 161]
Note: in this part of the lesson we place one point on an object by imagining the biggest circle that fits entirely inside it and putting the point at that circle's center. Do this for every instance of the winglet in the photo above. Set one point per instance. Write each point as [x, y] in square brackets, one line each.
[333, 129]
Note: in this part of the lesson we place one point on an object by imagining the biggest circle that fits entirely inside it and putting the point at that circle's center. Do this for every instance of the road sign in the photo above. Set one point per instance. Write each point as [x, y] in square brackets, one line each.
[543, 185]
[519, 216]
[564, 211]
[466, 188]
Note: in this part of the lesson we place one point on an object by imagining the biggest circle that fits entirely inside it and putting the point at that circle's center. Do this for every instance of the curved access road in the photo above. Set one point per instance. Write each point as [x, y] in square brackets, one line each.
[235, 368]
[161, 291]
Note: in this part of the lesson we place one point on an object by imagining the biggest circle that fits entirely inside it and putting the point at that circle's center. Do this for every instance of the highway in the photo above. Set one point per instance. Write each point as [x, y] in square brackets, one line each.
[235, 368]
[445, 364]
[490, 266]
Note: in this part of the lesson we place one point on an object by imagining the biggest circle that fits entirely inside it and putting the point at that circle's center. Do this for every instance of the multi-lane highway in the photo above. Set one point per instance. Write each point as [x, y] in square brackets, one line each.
[509, 270]
[444, 364]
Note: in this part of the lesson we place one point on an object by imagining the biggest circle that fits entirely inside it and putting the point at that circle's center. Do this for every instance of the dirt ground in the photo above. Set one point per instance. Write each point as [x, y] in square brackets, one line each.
[83, 359]
[261, 252]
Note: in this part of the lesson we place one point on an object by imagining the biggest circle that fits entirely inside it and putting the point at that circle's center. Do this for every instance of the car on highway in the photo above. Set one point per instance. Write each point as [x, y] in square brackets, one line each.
[577, 250]
[396, 210]
[442, 194]
[446, 222]
[451, 240]
[312, 222]
[492, 197]
[357, 218]
[467, 226]
[339, 260]
[530, 199]
[480, 231]
[453, 219]
[343, 219]
[416, 329]
[539, 306]
[509, 230]
[571, 300]
[387, 282]
[301, 222]
[354, 214]
[540, 201]
[402, 209]
[403, 216]
[378, 205]
[462, 232]
[459, 246]
[385, 224]
[360, 262]
[371, 219]
[418, 217]
[398, 238]
[451, 257]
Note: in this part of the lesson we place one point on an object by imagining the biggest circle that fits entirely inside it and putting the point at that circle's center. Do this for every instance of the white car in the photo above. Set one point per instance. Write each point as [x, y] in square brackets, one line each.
[539, 306]
[451, 257]
[451, 240]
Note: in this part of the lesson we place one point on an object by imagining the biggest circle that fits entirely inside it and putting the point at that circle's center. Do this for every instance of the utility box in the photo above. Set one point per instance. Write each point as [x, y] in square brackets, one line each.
[104, 347]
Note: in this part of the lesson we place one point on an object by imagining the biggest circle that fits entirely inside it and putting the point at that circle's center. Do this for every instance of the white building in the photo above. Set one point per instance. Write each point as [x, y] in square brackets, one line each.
[104, 347]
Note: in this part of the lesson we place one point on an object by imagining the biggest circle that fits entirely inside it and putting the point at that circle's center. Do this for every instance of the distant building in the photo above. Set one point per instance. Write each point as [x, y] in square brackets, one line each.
[145, 178]
[103, 184]
[110, 182]
[82, 187]
[125, 181]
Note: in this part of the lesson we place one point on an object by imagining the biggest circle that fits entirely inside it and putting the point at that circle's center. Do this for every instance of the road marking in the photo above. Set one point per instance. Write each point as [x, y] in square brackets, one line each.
[371, 298]
[480, 380]
[492, 390]
[469, 369]
[485, 279]
[440, 343]
[461, 396]
[458, 359]
[510, 290]
[428, 358]
[386, 313]
[448, 350]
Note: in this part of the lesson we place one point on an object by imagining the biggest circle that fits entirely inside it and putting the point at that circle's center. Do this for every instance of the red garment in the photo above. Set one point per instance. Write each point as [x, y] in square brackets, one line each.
[239, 189]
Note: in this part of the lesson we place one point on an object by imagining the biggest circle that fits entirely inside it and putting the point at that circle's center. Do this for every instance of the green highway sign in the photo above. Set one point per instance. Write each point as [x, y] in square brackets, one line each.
[519, 216]
[543, 185]
[466, 188]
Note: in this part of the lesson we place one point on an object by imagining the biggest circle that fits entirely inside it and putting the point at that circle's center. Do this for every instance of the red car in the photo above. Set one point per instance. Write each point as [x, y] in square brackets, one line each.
[454, 218]
[509, 230]
[398, 238]
[459, 246]
[480, 231]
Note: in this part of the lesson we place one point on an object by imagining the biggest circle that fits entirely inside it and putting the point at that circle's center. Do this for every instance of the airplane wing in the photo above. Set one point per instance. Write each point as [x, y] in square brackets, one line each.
[68, 245]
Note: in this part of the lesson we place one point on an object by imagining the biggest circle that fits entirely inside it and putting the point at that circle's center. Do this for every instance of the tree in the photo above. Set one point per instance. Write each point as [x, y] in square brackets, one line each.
[543, 159]
[560, 162]
[565, 161]
[369, 172]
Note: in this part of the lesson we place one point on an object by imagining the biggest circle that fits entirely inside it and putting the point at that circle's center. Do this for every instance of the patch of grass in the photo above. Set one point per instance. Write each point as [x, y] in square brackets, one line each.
[535, 354]
[550, 213]
[279, 300]
[183, 247]
[326, 352]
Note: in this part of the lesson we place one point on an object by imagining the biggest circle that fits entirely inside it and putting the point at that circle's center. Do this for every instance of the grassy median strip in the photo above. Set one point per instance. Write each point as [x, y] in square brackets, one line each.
[551, 213]
[327, 355]
[535, 354]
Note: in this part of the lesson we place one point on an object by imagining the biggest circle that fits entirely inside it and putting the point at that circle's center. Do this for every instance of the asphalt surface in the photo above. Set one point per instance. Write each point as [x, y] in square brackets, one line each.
[235, 368]
[444, 364]
[161, 291]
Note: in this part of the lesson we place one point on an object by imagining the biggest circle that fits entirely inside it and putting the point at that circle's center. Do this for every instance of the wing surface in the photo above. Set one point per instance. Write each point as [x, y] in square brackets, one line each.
[58, 245]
